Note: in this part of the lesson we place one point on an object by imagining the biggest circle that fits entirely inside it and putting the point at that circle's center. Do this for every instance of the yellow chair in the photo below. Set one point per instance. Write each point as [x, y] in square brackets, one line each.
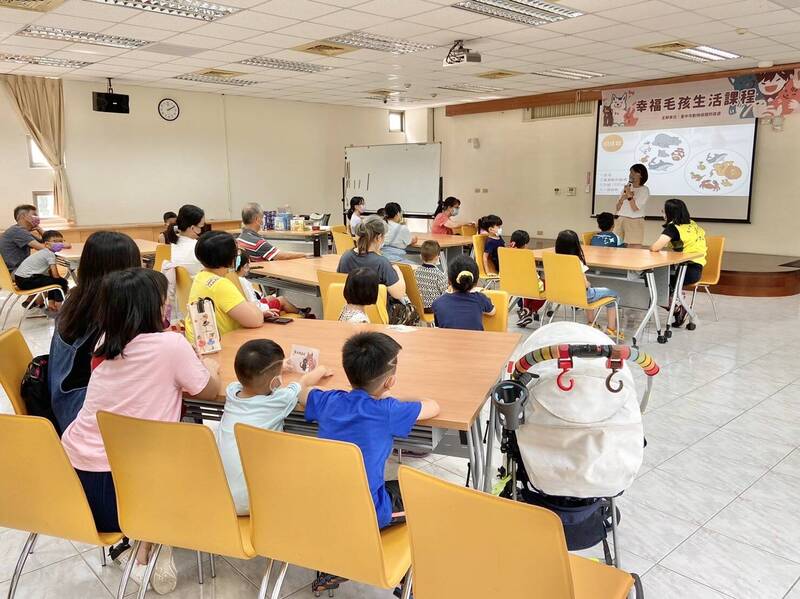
[343, 242]
[453, 529]
[587, 237]
[565, 285]
[479, 246]
[163, 253]
[171, 489]
[16, 357]
[711, 271]
[499, 321]
[183, 285]
[413, 293]
[518, 274]
[320, 486]
[41, 493]
[377, 312]
[7, 284]
[326, 278]
[469, 230]
[339, 229]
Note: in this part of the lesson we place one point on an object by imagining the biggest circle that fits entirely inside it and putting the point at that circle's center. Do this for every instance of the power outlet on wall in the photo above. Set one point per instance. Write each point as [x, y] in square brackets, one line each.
[571, 191]
[540, 233]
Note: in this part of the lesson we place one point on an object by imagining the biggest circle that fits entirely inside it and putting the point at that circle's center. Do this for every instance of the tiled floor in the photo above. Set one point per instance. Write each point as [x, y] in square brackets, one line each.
[713, 513]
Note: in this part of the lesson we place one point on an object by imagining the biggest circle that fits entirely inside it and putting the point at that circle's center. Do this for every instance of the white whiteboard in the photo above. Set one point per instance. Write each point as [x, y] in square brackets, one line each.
[404, 173]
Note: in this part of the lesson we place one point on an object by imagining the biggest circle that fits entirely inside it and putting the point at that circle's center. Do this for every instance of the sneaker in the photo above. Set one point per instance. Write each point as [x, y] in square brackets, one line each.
[522, 313]
[36, 312]
[326, 582]
[680, 317]
[165, 576]
[525, 321]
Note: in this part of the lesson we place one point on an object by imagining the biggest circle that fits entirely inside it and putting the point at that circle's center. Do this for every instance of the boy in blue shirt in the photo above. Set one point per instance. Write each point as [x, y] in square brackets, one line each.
[606, 237]
[368, 417]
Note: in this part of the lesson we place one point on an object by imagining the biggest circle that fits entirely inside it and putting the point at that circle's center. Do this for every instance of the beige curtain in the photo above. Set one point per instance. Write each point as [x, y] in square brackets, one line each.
[40, 103]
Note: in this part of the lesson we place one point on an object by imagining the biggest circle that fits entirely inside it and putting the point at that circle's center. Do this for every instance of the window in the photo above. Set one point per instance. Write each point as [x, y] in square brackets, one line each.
[397, 121]
[45, 203]
[35, 157]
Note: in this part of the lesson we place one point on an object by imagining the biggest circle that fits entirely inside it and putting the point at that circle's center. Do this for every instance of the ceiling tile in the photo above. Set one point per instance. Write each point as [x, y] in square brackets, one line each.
[94, 10]
[446, 17]
[350, 19]
[159, 21]
[277, 40]
[12, 15]
[393, 8]
[295, 9]
[225, 32]
[257, 20]
[311, 31]
[196, 41]
[640, 10]
[736, 9]
[486, 27]
[68, 22]
[578, 24]
[144, 33]
[400, 29]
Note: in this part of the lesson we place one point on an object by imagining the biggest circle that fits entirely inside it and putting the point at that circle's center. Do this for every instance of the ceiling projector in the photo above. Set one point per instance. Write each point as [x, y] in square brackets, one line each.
[459, 55]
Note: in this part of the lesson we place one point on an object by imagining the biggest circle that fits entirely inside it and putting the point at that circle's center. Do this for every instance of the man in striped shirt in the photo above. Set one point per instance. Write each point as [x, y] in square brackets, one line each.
[257, 248]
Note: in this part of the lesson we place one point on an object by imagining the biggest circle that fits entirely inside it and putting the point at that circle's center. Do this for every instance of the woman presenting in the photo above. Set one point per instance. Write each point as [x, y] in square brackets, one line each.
[630, 207]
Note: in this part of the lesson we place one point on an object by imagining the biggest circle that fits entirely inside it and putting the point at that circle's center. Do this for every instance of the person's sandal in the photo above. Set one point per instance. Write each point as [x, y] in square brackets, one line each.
[326, 582]
[613, 333]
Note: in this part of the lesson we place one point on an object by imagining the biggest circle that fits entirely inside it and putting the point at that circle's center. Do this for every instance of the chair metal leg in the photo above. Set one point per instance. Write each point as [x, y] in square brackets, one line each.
[126, 575]
[276, 590]
[262, 591]
[33, 545]
[713, 304]
[199, 568]
[23, 557]
[148, 572]
[5, 301]
[103, 556]
[405, 592]
[9, 311]
[614, 524]
[694, 295]
[213, 565]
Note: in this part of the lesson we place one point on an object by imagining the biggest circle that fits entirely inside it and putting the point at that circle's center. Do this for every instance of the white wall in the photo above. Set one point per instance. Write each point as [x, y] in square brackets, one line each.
[521, 162]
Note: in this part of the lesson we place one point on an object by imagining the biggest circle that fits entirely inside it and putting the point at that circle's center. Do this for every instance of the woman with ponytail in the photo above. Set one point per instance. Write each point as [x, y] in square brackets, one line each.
[184, 235]
[463, 307]
[443, 222]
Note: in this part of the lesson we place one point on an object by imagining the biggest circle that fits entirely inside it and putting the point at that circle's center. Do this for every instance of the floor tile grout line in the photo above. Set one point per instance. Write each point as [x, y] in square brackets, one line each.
[88, 565]
[28, 571]
[696, 581]
[791, 588]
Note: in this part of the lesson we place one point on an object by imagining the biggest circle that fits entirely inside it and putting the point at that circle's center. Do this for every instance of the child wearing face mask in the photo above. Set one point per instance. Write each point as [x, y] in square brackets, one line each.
[259, 398]
[39, 270]
[491, 225]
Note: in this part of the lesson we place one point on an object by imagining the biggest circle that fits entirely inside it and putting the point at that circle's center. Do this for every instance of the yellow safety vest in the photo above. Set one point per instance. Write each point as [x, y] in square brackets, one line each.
[693, 240]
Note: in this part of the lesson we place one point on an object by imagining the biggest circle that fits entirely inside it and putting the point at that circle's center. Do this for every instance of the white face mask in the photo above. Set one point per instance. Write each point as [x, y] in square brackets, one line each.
[455, 211]
[499, 231]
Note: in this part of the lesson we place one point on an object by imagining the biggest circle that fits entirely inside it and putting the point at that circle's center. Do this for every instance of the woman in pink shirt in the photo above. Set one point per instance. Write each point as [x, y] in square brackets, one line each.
[138, 370]
[443, 222]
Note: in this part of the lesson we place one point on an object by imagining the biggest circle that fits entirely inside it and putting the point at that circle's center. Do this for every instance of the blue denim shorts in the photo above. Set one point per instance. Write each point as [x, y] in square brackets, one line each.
[595, 293]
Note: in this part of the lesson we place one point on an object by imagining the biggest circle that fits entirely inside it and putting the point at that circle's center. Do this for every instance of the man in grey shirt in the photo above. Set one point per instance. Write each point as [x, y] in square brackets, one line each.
[18, 240]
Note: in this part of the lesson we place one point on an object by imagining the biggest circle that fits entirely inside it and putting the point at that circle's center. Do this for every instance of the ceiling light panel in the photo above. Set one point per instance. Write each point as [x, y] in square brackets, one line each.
[81, 37]
[689, 51]
[217, 80]
[285, 65]
[471, 87]
[526, 12]
[46, 61]
[369, 41]
[192, 9]
[573, 74]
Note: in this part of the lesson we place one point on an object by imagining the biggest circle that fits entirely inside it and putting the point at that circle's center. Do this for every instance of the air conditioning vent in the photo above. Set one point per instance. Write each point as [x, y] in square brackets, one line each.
[34, 5]
[221, 73]
[666, 47]
[323, 48]
[557, 111]
[501, 74]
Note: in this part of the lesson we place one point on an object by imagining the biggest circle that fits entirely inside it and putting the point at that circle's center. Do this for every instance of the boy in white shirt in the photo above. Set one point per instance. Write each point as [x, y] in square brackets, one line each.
[39, 270]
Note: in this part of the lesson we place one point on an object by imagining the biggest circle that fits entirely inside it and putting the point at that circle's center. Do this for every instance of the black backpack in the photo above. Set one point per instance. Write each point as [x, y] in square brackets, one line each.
[35, 390]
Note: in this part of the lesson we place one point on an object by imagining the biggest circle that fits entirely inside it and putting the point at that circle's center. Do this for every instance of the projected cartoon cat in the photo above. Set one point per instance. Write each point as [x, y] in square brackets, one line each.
[780, 91]
[619, 105]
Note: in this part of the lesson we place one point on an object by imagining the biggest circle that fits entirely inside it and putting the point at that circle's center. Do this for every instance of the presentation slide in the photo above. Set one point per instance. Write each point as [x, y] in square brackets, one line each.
[709, 167]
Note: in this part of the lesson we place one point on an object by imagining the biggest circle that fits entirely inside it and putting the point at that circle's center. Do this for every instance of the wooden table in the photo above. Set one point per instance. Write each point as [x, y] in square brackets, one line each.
[72, 256]
[319, 239]
[456, 368]
[294, 275]
[622, 269]
[452, 245]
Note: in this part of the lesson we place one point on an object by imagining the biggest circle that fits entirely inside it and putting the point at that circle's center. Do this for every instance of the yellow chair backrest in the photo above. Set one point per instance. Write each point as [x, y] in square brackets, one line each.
[713, 267]
[343, 242]
[412, 290]
[479, 246]
[377, 313]
[6, 282]
[468, 230]
[565, 281]
[338, 228]
[170, 483]
[499, 322]
[587, 237]
[518, 274]
[442, 547]
[163, 252]
[322, 486]
[15, 359]
[42, 493]
[326, 278]
[183, 285]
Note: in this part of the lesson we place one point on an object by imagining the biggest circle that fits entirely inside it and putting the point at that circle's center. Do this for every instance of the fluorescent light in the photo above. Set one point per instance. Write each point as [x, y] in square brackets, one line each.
[81, 37]
[369, 41]
[573, 74]
[527, 12]
[717, 52]
[217, 80]
[45, 61]
[689, 51]
[471, 87]
[285, 65]
[192, 9]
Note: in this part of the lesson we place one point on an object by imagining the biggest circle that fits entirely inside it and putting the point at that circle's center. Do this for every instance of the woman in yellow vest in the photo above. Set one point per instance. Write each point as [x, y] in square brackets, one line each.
[682, 234]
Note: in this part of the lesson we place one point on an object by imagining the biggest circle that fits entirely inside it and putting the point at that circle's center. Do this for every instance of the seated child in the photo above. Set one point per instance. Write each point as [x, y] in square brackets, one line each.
[492, 225]
[360, 291]
[258, 399]
[528, 307]
[463, 307]
[606, 237]
[568, 242]
[431, 280]
[39, 270]
[368, 417]
[270, 305]
[170, 218]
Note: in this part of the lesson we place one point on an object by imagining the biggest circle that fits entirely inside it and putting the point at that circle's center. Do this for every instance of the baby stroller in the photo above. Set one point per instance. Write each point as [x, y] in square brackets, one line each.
[572, 434]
